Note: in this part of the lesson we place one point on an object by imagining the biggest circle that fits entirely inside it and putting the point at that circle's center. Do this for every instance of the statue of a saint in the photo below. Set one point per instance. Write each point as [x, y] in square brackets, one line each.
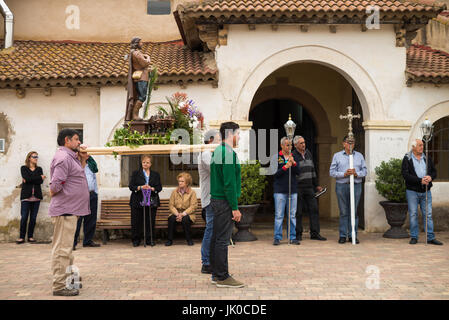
[138, 74]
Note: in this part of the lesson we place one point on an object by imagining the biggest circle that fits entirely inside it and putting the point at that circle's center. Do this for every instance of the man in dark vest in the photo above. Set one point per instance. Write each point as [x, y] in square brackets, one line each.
[419, 172]
[307, 186]
[138, 75]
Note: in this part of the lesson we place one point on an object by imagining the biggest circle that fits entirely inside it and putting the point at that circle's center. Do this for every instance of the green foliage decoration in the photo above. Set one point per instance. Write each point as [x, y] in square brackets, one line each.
[389, 181]
[125, 137]
[253, 184]
[153, 75]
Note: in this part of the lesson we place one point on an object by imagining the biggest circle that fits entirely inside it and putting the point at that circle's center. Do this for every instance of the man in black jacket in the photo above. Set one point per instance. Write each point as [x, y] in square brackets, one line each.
[419, 173]
[307, 186]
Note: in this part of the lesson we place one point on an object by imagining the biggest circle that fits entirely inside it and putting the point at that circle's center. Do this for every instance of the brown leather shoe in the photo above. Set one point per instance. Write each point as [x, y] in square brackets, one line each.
[66, 292]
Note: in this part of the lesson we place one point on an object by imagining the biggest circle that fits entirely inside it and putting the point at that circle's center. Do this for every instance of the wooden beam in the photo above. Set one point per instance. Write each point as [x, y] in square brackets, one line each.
[151, 149]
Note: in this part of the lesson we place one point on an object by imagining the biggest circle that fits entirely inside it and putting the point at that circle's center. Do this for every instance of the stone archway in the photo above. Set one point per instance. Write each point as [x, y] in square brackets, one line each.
[433, 113]
[324, 139]
[364, 86]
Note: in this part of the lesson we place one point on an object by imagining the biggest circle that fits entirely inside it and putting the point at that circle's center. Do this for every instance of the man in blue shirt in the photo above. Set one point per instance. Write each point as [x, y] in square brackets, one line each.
[90, 221]
[339, 170]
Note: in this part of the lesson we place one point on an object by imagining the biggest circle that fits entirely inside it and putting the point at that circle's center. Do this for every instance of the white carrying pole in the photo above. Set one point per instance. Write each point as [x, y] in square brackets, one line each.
[352, 197]
[289, 201]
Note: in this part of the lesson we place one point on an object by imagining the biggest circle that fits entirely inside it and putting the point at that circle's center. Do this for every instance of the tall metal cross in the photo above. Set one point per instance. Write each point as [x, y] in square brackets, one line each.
[350, 116]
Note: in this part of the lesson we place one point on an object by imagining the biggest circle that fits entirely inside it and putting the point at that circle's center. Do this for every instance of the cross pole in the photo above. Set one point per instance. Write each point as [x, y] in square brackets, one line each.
[350, 116]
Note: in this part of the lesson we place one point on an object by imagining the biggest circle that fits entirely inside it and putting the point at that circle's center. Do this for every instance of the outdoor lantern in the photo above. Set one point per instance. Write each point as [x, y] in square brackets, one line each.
[426, 129]
[290, 127]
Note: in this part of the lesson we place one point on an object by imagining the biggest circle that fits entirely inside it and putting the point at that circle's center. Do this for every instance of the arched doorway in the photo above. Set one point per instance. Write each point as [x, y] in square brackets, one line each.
[273, 113]
[315, 110]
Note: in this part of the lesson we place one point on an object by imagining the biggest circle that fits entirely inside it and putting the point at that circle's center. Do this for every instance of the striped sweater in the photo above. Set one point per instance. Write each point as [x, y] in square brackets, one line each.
[307, 176]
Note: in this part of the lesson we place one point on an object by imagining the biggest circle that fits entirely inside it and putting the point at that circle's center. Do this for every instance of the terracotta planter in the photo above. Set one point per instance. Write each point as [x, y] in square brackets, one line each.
[243, 234]
[396, 214]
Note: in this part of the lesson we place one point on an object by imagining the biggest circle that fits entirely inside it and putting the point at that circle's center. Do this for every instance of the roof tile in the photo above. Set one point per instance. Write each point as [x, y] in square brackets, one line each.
[315, 5]
[427, 64]
[35, 60]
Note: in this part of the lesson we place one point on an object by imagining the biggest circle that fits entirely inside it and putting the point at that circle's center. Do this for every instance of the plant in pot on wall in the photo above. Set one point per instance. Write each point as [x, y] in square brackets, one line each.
[252, 189]
[391, 185]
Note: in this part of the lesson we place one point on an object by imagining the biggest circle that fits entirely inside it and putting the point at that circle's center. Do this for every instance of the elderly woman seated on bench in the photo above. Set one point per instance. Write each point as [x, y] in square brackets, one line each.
[182, 206]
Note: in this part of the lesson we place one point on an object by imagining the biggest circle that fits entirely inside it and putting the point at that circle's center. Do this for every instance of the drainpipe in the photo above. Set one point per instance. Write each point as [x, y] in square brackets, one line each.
[9, 24]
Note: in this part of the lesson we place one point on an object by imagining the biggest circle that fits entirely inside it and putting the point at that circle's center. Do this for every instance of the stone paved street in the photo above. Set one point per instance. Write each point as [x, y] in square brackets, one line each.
[313, 270]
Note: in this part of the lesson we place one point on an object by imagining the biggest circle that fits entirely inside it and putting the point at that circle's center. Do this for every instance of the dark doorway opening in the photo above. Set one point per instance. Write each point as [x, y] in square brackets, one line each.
[273, 114]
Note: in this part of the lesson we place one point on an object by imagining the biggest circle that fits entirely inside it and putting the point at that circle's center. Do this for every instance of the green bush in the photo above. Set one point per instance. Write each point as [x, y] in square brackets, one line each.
[389, 182]
[253, 184]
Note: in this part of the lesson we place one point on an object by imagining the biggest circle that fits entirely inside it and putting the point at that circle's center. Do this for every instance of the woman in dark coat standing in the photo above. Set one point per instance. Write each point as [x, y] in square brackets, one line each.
[30, 196]
[141, 179]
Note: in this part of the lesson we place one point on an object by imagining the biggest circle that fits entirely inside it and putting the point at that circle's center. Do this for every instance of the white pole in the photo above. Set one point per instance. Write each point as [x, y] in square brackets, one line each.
[352, 196]
[289, 201]
[427, 161]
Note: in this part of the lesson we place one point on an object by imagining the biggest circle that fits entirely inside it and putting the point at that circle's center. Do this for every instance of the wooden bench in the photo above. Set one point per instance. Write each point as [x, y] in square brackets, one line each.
[116, 214]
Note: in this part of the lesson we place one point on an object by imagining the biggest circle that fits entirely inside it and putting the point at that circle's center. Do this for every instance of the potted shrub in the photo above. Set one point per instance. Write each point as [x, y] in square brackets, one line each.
[391, 185]
[253, 187]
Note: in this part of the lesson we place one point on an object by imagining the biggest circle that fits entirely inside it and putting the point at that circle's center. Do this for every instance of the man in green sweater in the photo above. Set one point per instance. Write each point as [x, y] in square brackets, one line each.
[225, 191]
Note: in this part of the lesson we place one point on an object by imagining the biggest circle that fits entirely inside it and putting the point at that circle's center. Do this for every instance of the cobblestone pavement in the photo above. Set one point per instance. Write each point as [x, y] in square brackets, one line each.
[312, 270]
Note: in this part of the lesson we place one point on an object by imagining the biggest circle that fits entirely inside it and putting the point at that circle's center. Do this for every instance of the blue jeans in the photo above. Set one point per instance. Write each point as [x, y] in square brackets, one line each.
[419, 198]
[142, 87]
[205, 245]
[280, 206]
[28, 208]
[344, 204]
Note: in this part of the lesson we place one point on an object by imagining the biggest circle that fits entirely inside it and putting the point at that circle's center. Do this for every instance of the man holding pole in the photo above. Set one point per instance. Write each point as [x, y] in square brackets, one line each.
[286, 172]
[69, 194]
[340, 170]
[416, 179]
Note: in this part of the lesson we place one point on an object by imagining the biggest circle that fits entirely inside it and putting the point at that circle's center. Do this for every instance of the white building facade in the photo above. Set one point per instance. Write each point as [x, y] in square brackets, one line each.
[246, 62]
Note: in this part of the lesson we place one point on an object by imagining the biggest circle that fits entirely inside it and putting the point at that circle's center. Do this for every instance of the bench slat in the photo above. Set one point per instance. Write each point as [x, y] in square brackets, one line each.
[116, 214]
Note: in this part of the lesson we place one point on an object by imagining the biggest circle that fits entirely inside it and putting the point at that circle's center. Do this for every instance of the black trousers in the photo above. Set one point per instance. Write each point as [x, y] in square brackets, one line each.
[221, 236]
[186, 223]
[137, 223]
[307, 201]
[89, 222]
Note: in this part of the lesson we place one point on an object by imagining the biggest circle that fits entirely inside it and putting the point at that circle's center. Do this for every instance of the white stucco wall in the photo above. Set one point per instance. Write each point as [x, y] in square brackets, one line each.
[34, 121]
